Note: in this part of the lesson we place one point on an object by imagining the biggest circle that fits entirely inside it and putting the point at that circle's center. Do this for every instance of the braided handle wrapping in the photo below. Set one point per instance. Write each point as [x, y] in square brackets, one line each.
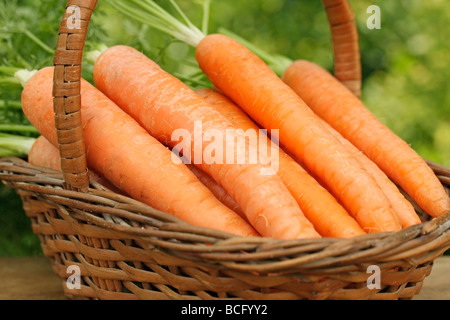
[66, 92]
[344, 35]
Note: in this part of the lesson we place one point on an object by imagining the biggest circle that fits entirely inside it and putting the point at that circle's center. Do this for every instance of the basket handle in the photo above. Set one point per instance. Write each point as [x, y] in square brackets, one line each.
[66, 92]
[67, 78]
[344, 35]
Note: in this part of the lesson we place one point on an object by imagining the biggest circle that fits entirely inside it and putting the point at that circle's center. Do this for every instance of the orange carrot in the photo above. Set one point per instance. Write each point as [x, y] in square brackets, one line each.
[163, 104]
[330, 100]
[251, 84]
[125, 154]
[217, 190]
[44, 154]
[402, 207]
[328, 217]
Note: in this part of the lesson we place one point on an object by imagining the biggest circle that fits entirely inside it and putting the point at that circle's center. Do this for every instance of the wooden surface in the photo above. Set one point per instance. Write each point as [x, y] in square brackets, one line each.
[29, 279]
[33, 279]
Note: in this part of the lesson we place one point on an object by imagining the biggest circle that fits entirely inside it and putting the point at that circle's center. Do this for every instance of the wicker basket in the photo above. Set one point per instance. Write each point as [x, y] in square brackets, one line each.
[127, 250]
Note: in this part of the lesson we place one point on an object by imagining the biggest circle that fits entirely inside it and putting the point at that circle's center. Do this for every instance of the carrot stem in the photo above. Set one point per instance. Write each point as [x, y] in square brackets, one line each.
[151, 14]
[192, 80]
[17, 128]
[277, 63]
[10, 104]
[155, 16]
[206, 14]
[17, 146]
[6, 153]
[181, 13]
[36, 40]
[20, 76]
[9, 80]
[92, 56]
[32, 37]
[23, 76]
[8, 70]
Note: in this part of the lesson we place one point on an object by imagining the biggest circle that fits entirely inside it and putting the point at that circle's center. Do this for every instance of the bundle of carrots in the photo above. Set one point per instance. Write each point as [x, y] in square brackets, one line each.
[339, 170]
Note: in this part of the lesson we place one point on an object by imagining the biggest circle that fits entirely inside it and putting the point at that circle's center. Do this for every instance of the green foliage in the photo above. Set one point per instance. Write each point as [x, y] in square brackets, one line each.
[16, 238]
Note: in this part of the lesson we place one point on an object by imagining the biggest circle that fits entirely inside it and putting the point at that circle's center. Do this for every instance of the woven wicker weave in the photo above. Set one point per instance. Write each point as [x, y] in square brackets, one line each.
[127, 250]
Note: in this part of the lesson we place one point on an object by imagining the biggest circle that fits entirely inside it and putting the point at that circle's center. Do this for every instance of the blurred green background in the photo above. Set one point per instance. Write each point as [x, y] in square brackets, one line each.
[406, 65]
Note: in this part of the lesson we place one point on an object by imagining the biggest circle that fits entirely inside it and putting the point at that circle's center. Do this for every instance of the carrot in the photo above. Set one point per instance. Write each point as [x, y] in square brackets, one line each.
[125, 154]
[44, 154]
[217, 190]
[328, 217]
[251, 84]
[162, 104]
[329, 99]
[402, 207]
